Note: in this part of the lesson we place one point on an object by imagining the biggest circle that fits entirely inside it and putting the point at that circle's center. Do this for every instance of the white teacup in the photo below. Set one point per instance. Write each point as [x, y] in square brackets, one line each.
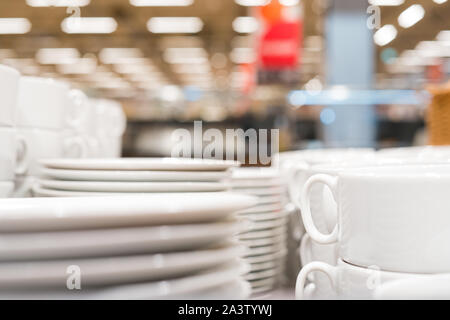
[9, 81]
[42, 103]
[41, 144]
[6, 189]
[349, 281]
[12, 154]
[395, 217]
[434, 287]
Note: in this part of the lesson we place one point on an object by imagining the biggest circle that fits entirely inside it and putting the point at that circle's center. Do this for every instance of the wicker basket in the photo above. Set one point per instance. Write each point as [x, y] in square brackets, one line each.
[438, 117]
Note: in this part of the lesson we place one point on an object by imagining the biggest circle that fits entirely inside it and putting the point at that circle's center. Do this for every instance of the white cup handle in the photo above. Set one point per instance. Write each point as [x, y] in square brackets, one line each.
[22, 156]
[293, 185]
[301, 292]
[78, 143]
[305, 211]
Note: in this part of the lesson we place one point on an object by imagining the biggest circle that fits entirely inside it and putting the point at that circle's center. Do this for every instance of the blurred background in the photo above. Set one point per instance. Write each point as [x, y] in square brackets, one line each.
[324, 72]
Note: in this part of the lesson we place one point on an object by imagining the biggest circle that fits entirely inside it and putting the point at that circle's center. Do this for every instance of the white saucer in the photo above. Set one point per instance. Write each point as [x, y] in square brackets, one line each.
[264, 241]
[114, 270]
[272, 200]
[117, 175]
[255, 217]
[163, 164]
[268, 224]
[264, 266]
[264, 274]
[270, 233]
[109, 242]
[122, 186]
[125, 211]
[257, 284]
[189, 286]
[264, 173]
[262, 208]
[256, 184]
[267, 191]
[267, 257]
[261, 250]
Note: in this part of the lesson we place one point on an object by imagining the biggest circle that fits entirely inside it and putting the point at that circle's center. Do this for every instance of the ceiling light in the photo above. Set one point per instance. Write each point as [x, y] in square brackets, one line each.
[14, 25]
[386, 2]
[245, 24]
[81, 66]
[116, 55]
[252, 3]
[161, 3]
[185, 55]
[175, 25]
[242, 55]
[57, 55]
[440, 1]
[385, 35]
[89, 25]
[58, 3]
[288, 3]
[411, 16]
[191, 69]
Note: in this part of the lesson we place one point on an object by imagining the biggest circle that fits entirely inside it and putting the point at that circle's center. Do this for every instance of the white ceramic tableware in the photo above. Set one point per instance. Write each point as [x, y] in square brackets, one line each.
[263, 208]
[100, 271]
[44, 143]
[163, 164]
[34, 214]
[128, 186]
[395, 217]
[9, 82]
[6, 189]
[117, 175]
[116, 241]
[177, 288]
[42, 103]
[13, 153]
[349, 281]
[434, 287]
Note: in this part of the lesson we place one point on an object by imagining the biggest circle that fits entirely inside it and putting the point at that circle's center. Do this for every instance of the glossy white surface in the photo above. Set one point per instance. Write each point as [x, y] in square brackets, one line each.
[117, 175]
[9, 82]
[169, 164]
[395, 217]
[116, 241]
[128, 186]
[42, 103]
[101, 212]
[349, 281]
[101, 271]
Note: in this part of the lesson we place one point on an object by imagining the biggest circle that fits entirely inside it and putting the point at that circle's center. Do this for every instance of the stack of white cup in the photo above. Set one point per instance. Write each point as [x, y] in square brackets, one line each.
[12, 149]
[42, 121]
[389, 223]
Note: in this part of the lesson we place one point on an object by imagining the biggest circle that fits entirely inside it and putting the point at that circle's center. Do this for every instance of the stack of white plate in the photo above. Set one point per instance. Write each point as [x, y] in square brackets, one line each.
[98, 177]
[265, 237]
[157, 246]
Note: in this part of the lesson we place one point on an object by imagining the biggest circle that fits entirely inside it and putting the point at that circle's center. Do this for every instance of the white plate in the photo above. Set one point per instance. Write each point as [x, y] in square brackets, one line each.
[268, 224]
[263, 234]
[267, 257]
[265, 173]
[177, 288]
[264, 274]
[264, 266]
[114, 270]
[117, 175]
[255, 217]
[264, 241]
[123, 187]
[263, 289]
[163, 164]
[262, 209]
[272, 200]
[261, 250]
[257, 184]
[109, 242]
[124, 211]
[268, 191]
[269, 282]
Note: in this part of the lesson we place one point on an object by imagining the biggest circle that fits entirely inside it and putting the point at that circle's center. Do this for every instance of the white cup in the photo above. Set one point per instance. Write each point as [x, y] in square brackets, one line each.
[42, 103]
[79, 115]
[41, 144]
[395, 217]
[12, 153]
[349, 281]
[9, 82]
[6, 189]
[434, 287]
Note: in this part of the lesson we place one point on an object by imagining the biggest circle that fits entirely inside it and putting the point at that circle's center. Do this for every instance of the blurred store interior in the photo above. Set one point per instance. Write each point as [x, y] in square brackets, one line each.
[324, 72]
